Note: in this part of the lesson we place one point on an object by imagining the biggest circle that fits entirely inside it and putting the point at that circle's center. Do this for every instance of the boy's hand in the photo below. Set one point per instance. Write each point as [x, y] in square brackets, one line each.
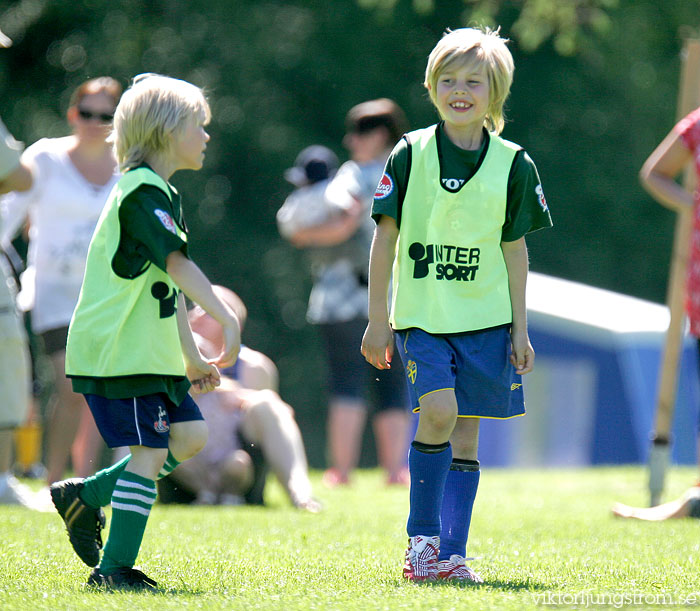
[522, 356]
[232, 346]
[378, 345]
[203, 376]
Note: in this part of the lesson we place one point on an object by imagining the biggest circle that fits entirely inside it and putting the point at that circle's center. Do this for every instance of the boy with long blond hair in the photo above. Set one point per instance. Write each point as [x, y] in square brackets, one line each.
[130, 348]
[452, 210]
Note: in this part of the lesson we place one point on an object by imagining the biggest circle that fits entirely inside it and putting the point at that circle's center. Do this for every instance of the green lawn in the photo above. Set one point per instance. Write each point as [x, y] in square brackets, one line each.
[545, 539]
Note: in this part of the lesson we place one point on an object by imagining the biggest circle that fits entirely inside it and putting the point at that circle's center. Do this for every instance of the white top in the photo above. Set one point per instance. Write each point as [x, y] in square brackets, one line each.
[63, 208]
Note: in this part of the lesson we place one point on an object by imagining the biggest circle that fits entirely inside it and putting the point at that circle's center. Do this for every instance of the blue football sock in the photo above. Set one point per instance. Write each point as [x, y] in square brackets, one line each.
[428, 466]
[457, 503]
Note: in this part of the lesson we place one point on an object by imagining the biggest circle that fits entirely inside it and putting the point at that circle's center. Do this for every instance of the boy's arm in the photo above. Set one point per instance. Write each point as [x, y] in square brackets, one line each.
[197, 287]
[378, 340]
[515, 255]
[204, 376]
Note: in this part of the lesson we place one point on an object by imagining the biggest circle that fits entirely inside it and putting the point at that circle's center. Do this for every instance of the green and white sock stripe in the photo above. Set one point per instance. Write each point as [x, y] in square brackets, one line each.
[168, 466]
[134, 493]
[132, 499]
[98, 488]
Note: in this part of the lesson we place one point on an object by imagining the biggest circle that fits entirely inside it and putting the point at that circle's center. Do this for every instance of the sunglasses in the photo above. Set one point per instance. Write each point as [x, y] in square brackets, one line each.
[365, 125]
[103, 117]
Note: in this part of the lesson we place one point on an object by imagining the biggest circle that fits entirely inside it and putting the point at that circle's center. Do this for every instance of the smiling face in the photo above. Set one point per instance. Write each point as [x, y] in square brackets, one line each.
[188, 145]
[462, 95]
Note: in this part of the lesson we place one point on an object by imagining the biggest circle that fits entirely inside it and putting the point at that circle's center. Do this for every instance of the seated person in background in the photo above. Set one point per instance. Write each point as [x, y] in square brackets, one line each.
[686, 506]
[250, 428]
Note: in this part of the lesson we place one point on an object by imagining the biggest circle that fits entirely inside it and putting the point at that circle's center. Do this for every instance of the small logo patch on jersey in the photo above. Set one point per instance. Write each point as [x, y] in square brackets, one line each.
[515, 386]
[385, 187]
[166, 219]
[412, 371]
[540, 197]
[452, 184]
[160, 425]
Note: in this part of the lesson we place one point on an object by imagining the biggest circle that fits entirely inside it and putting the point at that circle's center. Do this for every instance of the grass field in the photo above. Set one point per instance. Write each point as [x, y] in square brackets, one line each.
[546, 539]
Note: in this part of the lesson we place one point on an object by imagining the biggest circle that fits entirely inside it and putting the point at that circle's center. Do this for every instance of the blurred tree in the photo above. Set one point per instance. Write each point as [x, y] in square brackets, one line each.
[594, 92]
[565, 22]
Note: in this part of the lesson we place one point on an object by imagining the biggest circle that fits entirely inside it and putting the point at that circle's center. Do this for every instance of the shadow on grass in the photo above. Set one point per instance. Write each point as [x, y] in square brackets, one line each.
[162, 590]
[515, 586]
[492, 584]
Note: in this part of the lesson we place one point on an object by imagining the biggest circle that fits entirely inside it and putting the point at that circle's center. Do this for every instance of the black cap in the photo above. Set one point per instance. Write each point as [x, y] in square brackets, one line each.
[313, 164]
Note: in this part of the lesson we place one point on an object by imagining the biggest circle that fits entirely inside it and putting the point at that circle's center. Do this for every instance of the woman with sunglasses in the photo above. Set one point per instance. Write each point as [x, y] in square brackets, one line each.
[73, 176]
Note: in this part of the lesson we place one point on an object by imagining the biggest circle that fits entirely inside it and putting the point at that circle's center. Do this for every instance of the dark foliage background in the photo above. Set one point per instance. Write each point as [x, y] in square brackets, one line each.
[595, 91]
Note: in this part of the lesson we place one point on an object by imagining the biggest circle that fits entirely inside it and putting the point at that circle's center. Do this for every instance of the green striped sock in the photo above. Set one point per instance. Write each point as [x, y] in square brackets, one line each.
[131, 504]
[98, 488]
[168, 466]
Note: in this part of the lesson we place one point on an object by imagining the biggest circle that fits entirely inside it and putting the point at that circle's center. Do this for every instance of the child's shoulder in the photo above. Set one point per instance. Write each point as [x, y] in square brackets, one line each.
[417, 135]
[507, 143]
[144, 180]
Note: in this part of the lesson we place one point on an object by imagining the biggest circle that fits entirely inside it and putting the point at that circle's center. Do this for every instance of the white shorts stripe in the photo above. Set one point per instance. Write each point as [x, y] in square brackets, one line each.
[118, 494]
[132, 508]
[136, 422]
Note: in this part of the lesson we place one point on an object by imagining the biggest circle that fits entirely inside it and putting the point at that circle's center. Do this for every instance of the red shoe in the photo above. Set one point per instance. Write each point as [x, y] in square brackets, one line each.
[332, 478]
[456, 569]
[421, 558]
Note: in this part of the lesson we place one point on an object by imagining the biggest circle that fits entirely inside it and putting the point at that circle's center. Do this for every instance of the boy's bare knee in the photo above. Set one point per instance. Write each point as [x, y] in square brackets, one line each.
[438, 415]
[465, 438]
[188, 439]
[198, 437]
[146, 461]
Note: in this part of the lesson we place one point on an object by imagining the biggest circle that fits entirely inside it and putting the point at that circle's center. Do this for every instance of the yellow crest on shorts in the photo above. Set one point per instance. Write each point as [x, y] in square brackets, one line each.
[412, 371]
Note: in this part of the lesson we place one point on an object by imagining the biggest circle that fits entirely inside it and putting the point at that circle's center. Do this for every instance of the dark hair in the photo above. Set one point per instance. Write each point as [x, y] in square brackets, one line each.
[100, 84]
[370, 115]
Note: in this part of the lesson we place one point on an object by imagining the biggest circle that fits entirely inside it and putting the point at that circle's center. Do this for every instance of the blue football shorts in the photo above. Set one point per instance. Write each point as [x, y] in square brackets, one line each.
[475, 365]
[140, 421]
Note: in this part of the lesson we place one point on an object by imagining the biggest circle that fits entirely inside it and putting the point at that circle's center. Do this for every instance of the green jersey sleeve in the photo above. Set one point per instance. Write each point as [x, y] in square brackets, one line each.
[147, 218]
[527, 208]
[391, 189]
